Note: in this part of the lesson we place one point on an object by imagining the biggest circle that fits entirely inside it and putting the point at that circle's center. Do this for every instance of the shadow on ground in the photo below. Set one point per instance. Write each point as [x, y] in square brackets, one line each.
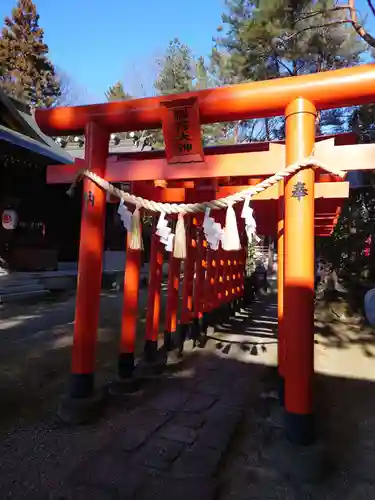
[171, 439]
[336, 326]
[261, 464]
[35, 353]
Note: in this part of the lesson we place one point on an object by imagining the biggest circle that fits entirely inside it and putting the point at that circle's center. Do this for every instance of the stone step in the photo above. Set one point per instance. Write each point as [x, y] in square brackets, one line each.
[21, 288]
[25, 295]
[15, 280]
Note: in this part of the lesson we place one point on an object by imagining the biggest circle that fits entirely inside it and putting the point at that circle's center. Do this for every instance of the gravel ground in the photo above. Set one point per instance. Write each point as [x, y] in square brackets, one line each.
[35, 353]
[34, 365]
[262, 465]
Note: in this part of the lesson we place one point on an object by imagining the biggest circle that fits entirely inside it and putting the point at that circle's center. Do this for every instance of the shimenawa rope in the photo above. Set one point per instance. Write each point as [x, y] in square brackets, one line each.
[177, 208]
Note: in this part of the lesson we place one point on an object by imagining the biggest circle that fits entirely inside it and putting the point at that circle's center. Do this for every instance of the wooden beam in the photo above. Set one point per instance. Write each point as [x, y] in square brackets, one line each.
[248, 147]
[347, 157]
[259, 163]
[330, 89]
[255, 164]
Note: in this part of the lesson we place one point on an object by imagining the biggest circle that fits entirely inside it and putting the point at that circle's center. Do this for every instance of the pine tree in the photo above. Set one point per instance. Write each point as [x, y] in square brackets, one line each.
[214, 133]
[274, 38]
[179, 72]
[362, 121]
[27, 73]
[202, 77]
[117, 93]
[176, 69]
[345, 13]
[175, 75]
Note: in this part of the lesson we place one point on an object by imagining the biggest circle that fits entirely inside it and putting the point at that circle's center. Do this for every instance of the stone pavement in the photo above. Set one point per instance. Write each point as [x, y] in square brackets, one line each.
[166, 442]
[171, 446]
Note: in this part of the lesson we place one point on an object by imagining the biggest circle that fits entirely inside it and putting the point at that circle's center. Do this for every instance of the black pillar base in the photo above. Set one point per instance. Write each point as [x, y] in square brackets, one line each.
[153, 363]
[81, 385]
[299, 428]
[281, 389]
[208, 319]
[126, 365]
[241, 304]
[120, 389]
[212, 318]
[150, 352]
[182, 335]
[231, 309]
[196, 329]
[82, 404]
[168, 341]
[218, 314]
[249, 292]
[205, 323]
[224, 313]
[234, 306]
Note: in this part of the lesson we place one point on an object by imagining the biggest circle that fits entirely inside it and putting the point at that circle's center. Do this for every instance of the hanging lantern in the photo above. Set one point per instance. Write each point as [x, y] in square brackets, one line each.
[9, 219]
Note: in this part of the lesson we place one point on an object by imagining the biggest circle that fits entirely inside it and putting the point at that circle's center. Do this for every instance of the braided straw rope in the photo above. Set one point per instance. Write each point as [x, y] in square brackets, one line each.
[176, 208]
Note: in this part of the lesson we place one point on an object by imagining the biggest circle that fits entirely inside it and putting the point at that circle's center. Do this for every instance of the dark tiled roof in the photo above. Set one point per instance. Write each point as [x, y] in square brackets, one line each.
[19, 128]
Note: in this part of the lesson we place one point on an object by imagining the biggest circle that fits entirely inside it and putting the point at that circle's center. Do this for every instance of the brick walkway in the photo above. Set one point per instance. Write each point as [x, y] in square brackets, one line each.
[167, 442]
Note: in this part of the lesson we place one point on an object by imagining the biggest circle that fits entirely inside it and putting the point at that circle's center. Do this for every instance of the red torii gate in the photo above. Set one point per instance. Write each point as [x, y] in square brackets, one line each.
[229, 169]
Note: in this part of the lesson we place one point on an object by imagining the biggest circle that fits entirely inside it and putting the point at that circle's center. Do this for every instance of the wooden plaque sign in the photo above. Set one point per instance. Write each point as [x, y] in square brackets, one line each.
[182, 132]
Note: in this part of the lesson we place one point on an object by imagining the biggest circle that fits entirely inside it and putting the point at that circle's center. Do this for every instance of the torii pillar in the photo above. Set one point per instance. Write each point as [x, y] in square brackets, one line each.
[280, 292]
[298, 314]
[90, 265]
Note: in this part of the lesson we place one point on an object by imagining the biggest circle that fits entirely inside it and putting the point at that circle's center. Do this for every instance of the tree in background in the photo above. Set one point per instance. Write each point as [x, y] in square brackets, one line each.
[175, 74]
[335, 14]
[263, 39]
[362, 121]
[117, 93]
[71, 94]
[213, 133]
[261, 42]
[345, 248]
[175, 69]
[180, 71]
[27, 73]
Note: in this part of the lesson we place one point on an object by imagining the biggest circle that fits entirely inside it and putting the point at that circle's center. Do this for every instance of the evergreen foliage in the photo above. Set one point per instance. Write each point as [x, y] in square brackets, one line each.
[266, 39]
[175, 69]
[117, 93]
[26, 72]
[180, 71]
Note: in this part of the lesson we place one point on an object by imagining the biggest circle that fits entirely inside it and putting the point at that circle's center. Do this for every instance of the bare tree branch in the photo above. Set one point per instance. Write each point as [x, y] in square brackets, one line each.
[316, 26]
[372, 6]
[309, 15]
[284, 66]
[71, 94]
[350, 7]
[357, 26]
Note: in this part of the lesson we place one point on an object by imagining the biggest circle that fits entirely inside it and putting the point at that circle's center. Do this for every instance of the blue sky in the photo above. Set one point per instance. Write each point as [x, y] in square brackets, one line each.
[98, 42]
